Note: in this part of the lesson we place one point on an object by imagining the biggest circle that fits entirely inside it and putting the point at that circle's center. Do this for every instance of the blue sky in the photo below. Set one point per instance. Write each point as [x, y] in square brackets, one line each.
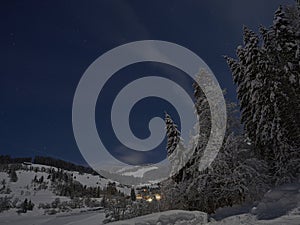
[47, 45]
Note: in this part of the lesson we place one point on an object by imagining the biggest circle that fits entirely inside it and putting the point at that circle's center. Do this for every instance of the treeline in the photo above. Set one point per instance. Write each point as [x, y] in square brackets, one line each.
[6, 159]
[73, 188]
[48, 161]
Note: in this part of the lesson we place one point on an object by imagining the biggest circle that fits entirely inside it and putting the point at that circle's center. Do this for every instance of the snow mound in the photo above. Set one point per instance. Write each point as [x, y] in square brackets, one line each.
[237, 220]
[176, 217]
[251, 220]
[278, 202]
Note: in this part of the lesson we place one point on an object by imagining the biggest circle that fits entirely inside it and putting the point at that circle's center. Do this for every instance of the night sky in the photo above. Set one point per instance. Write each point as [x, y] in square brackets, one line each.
[45, 47]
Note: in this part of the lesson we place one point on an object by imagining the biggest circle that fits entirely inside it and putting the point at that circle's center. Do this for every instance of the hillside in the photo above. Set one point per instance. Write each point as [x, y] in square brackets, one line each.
[37, 189]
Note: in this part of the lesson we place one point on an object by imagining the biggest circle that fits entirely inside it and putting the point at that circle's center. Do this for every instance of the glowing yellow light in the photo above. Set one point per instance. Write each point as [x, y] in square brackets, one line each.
[149, 200]
[157, 197]
[139, 197]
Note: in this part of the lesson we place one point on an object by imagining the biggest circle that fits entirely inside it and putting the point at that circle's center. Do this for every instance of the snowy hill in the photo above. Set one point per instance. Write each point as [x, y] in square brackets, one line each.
[137, 175]
[137, 172]
[43, 188]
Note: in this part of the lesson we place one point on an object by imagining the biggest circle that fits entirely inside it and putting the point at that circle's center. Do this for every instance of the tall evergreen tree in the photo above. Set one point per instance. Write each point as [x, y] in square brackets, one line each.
[173, 134]
[13, 176]
[25, 206]
[132, 195]
[267, 76]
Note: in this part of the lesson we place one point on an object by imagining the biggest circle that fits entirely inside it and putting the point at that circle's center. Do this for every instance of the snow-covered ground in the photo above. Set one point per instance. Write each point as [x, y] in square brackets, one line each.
[91, 218]
[251, 220]
[96, 218]
[178, 217]
[280, 206]
[23, 188]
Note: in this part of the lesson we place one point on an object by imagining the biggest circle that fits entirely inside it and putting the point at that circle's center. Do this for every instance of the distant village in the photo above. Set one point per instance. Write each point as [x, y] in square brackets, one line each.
[148, 193]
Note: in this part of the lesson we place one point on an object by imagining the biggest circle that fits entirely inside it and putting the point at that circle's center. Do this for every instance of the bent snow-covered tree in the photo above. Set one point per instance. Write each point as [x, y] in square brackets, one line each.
[235, 176]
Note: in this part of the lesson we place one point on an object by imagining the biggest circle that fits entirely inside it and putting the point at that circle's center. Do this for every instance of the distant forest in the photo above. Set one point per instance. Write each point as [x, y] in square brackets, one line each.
[48, 161]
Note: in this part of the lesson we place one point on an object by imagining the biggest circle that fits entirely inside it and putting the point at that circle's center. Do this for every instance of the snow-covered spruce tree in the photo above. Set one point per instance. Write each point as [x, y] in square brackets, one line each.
[267, 76]
[176, 151]
[132, 195]
[173, 134]
[13, 175]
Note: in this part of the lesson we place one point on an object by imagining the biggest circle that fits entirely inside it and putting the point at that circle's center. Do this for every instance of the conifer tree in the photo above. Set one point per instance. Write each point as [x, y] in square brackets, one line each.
[267, 76]
[132, 195]
[13, 176]
[173, 134]
[25, 206]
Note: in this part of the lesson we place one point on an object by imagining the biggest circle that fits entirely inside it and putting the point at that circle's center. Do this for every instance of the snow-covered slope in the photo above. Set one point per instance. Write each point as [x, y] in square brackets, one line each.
[139, 172]
[24, 189]
[136, 175]
[43, 193]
